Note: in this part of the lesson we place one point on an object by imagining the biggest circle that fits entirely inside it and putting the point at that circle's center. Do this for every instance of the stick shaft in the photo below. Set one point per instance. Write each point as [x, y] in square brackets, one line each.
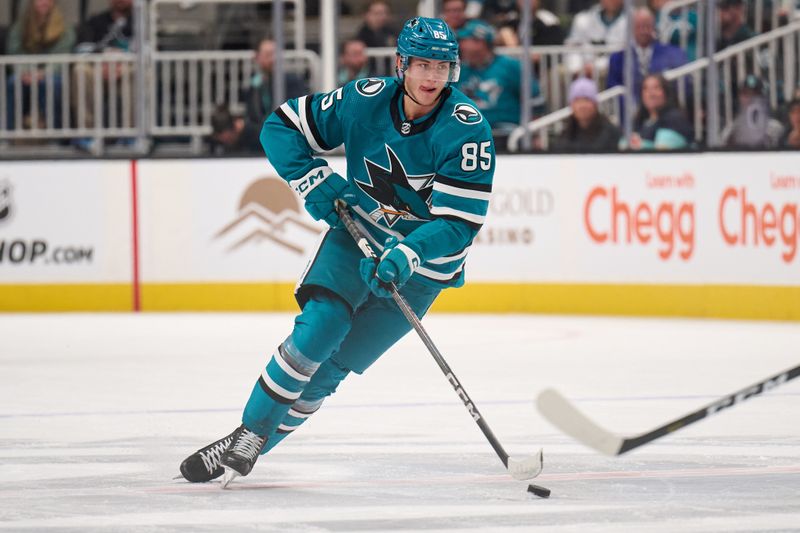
[711, 409]
[412, 318]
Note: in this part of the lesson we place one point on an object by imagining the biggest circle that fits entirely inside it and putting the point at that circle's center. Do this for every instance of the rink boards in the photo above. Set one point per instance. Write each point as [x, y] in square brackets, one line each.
[690, 234]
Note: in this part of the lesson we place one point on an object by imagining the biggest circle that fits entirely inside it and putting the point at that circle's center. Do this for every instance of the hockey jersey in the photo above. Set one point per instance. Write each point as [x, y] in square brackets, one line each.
[425, 181]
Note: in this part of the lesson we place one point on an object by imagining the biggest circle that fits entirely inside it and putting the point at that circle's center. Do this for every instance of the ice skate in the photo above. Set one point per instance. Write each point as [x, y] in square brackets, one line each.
[204, 464]
[241, 455]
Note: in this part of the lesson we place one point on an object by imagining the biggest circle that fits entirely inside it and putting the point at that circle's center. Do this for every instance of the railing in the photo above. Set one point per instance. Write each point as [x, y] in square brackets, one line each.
[70, 96]
[92, 97]
[186, 86]
[773, 57]
[550, 66]
[608, 103]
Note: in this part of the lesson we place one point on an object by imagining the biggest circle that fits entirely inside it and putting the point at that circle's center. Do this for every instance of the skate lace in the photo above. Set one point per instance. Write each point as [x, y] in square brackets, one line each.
[248, 444]
[211, 457]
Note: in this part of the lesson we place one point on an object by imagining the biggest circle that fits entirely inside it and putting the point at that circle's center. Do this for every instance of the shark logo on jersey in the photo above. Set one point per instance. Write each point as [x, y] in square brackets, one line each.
[399, 195]
[467, 114]
[370, 86]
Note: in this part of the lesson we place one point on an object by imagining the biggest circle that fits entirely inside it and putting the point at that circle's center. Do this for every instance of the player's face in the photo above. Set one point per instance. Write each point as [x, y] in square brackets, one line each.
[426, 78]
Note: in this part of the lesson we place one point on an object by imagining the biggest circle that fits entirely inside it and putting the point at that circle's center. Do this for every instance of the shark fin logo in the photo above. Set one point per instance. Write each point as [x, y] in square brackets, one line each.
[467, 114]
[370, 86]
[5, 201]
[269, 211]
[400, 196]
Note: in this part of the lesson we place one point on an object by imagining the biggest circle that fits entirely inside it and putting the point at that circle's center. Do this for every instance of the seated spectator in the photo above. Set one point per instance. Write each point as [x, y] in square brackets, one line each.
[258, 98]
[353, 62]
[791, 138]
[545, 26]
[588, 130]
[490, 80]
[650, 56]
[454, 13]
[733, 26]
[107, 32]
[377, 30]
[40, 30]
[603, 24]
[753, 125]
[228, 135]
[673, 26]
[660, 123]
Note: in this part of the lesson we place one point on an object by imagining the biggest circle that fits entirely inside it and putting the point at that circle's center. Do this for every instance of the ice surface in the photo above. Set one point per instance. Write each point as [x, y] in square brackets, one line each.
[97, 411]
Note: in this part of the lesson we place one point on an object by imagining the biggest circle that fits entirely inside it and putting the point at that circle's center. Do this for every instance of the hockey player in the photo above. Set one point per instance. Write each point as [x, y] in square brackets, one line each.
[420, 162]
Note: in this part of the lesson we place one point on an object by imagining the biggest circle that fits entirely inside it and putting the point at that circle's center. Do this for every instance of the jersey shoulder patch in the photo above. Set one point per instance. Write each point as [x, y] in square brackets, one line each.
[370, 86]
[467, 114]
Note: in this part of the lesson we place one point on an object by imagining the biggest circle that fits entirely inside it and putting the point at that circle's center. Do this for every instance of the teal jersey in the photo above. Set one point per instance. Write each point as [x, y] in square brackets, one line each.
[426, 182]
[496, 90]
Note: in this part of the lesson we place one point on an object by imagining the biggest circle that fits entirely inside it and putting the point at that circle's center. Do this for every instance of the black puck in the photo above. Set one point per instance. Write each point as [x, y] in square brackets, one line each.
[539, 491]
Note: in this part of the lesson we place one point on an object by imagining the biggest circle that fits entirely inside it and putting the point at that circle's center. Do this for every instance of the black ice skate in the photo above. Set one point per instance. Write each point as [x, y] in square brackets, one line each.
[204, 465]
[241, 455]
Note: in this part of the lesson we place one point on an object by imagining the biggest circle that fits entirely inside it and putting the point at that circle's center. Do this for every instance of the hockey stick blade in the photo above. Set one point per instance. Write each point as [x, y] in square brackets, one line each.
[524, 468]
[566, 417]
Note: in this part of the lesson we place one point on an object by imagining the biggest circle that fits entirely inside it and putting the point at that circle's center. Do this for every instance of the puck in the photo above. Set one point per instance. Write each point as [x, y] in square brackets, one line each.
[540, 491]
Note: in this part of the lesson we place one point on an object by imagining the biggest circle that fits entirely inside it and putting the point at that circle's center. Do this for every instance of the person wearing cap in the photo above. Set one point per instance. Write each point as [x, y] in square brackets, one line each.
[588, 130]
[493, 81]
[753, 126]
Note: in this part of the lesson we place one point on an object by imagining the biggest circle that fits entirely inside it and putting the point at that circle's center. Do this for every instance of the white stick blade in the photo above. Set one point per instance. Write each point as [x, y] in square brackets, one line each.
[566, 417]
[523, 468]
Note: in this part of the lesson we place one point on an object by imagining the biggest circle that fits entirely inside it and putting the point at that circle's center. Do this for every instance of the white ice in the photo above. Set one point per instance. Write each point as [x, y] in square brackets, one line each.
[98, 410]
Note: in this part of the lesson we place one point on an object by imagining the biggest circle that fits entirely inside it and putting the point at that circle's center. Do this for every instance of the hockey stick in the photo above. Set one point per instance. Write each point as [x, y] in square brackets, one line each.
[519, 468]
[566, 417]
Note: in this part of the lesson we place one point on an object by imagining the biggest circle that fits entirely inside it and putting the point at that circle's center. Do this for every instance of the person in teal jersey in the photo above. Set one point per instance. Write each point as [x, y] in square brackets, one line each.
[420, 163]
[493, 81]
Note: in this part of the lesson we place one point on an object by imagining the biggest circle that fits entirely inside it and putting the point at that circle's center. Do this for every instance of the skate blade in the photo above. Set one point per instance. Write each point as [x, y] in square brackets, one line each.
[229, 475]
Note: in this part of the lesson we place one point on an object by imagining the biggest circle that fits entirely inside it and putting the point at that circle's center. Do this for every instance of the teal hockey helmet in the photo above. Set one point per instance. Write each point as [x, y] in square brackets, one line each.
[428, 38]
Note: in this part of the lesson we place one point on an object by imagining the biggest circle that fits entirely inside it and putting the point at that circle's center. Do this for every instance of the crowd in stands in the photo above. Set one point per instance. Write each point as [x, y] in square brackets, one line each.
[660, 42]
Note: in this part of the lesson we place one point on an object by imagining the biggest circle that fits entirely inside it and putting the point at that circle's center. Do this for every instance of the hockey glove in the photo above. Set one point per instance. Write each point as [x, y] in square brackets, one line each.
[396, 264]
[320, 188]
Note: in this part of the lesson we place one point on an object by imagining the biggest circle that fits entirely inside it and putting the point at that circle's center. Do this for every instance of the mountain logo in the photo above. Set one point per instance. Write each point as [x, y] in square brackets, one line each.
[370, 86]
[5, 201]
[269, 211]
[467, 114]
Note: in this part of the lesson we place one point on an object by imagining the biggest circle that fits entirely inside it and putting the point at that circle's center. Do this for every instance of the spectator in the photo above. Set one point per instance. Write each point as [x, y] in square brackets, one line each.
[490, 80]
[588, 130]
[377, 30]
[603, 24]
[791, 139]
[110, 31]
[660, 123]
[733, 23]
[753, 126]
[454, 13]
[545, 26]
[41, 30]
[353, 61]
[229, 134]
[672, 27]
[650, 56]
[258, 98]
